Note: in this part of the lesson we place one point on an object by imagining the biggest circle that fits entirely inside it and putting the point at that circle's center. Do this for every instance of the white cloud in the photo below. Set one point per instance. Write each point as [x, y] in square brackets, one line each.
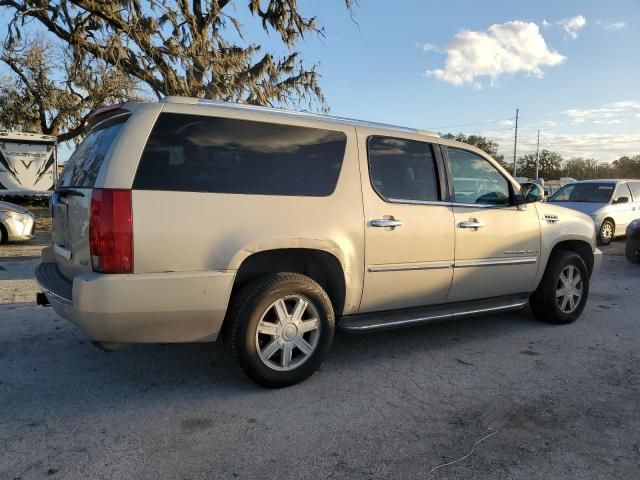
[573, 25]
[550, 123]
[601, 147]
[615, 25]
[545, 24]
[506, 123]
[430, 47]
[510, 47]
[610, 113]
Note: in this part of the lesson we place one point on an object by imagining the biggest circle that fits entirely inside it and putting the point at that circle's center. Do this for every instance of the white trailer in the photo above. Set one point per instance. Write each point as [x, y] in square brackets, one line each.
[28, 163]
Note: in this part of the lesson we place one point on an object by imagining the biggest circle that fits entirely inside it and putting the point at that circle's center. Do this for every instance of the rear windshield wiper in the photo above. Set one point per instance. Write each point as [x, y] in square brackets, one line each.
[68, 192]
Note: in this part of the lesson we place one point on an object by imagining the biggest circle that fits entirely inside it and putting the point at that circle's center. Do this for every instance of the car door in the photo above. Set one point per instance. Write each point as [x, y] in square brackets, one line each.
[497, 244]
[635, 193]
[623, 212]
[408, 228]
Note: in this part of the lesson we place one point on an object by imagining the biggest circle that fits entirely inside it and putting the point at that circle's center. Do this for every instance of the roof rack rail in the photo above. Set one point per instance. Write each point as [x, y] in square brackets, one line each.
[294, 113]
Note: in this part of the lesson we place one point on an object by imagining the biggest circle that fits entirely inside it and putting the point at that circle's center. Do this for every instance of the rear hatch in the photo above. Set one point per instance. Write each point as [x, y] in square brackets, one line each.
[71, 201]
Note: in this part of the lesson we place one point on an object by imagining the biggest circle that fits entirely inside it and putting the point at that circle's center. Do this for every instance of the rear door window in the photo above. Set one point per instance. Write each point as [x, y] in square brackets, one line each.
[622, 190]
[82, 168]
[635, 191]
[402, 169]
[195, 153]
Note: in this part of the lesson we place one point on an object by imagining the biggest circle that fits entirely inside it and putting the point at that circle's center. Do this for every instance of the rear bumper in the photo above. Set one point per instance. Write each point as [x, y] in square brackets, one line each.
[141, 308]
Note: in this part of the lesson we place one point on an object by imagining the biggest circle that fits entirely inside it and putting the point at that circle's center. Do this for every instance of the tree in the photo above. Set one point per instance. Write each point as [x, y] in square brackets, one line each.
[627, 167]
[581, 168]
[483, 143]
[51, 92]
[549, 165]
[177, 47]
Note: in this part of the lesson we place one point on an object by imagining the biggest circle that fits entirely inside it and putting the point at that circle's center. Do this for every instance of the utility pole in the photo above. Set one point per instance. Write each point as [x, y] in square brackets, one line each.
[538, 156]
[515, 145]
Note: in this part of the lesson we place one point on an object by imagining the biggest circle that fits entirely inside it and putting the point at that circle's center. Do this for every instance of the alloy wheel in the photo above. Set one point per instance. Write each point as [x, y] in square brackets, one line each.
[288, 332]
[569, 289]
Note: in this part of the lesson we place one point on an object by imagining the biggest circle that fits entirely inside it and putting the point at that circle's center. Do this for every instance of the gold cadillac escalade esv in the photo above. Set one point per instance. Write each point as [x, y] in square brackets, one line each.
[188, 220]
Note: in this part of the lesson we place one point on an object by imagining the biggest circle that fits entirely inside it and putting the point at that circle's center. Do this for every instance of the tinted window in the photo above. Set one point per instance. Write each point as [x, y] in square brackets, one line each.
[635, 190]
[475, 180]
[82, 168]
[402, 169]
[584, 192]
[209, 154]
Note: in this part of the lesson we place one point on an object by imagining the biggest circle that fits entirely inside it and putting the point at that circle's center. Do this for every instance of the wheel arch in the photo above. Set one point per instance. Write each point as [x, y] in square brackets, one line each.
[611, 220]
[580, 247]
[320, 265]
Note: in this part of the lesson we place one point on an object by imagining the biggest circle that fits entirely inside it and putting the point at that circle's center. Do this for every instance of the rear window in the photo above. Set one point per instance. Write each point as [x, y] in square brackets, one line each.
[193, 153]
[82, 168]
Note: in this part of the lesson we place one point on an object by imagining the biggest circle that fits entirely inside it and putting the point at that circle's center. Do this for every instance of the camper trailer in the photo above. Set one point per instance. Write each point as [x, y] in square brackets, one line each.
[27, 163]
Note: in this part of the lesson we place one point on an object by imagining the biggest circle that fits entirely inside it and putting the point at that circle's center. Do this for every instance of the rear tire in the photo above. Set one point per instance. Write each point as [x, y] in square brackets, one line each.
[281, 328]
[563, 290]
[631, 251]
[606, 232]
[4, 236]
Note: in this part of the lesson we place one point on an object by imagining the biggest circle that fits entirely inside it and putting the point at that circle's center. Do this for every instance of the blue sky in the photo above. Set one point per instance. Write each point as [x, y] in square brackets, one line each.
[571, 67]
[580, 89]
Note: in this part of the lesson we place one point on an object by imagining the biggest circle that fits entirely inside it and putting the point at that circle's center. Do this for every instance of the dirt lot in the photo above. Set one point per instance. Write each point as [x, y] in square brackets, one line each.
[558, 401]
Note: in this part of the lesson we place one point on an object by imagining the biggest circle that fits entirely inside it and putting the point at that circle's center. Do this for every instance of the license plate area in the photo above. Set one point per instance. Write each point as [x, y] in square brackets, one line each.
[60, 223]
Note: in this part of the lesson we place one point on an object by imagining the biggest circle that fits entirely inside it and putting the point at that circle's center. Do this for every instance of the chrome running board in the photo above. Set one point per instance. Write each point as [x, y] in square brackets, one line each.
[409, 317]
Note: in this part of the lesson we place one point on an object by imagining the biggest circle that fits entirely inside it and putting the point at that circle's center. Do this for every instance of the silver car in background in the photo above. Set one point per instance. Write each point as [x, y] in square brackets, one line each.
[612, 204]
[16, 223]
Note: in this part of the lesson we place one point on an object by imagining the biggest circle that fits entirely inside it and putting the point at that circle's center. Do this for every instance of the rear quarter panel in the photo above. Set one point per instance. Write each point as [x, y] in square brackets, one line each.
[188, 231]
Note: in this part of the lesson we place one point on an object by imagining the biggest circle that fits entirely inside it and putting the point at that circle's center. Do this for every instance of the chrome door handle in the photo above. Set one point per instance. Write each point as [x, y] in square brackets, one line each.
[471, 224]
[385, 222]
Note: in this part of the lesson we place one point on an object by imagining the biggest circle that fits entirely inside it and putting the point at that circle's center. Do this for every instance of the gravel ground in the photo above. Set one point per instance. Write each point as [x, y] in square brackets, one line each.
[558, 401]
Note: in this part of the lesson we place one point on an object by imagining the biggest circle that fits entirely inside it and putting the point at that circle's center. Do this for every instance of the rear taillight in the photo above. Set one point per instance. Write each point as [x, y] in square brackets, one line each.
[111, 231]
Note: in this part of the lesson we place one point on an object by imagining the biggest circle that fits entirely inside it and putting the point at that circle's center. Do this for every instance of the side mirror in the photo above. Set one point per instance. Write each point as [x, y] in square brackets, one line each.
[531, 192]
[621, 200]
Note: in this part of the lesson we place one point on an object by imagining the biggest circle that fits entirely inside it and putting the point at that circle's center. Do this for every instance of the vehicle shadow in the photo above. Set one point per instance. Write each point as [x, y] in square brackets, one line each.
[65, 361]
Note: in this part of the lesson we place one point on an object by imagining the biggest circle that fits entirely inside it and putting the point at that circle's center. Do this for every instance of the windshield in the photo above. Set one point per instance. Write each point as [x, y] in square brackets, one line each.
[584, 192]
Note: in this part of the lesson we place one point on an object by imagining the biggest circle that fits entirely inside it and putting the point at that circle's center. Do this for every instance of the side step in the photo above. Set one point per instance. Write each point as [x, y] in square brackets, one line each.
[409, 317]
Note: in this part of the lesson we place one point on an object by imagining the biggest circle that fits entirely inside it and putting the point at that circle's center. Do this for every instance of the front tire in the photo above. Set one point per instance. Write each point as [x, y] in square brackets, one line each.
[563, 290]
[282, 327]
[606, 232]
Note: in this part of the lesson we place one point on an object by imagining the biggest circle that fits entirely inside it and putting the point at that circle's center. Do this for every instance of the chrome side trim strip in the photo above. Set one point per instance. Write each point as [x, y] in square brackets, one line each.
[493, 262]
[488, 262]
[450, 204]
[400, 267]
